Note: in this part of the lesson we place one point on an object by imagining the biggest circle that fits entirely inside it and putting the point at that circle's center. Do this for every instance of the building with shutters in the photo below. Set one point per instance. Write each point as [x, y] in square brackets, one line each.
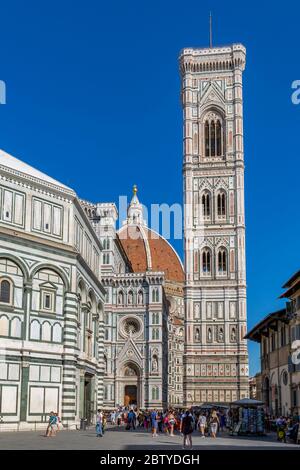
[278, 383]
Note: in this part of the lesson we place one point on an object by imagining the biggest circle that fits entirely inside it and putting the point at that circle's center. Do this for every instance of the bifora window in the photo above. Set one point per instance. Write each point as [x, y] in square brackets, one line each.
[221, 204]
[205, 200]
[206, 261]
[213, 135]
[222, 261]
[5, 291]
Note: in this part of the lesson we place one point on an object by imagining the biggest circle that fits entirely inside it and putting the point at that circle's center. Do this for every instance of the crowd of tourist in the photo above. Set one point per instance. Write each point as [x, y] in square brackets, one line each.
[184, 422]
[207, 422]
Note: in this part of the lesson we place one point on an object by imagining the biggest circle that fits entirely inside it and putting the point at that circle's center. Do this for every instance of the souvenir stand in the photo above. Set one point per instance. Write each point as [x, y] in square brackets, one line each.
[246, 416]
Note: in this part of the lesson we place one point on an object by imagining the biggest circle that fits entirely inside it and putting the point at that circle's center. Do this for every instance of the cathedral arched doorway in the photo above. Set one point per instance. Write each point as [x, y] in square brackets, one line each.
[131, 381]
[130, 397]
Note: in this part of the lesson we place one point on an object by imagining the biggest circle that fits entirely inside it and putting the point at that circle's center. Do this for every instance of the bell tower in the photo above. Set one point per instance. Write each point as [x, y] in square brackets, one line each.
[215, 357]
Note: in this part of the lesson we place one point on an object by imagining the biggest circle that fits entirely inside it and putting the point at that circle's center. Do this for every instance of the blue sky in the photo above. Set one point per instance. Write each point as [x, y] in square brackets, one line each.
[93, 100]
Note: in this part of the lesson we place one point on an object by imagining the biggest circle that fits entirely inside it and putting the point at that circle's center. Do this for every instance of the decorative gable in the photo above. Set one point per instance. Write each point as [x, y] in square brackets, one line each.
[130, 352]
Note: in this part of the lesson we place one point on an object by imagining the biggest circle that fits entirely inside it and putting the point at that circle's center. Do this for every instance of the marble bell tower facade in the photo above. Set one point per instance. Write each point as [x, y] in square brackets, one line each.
[215, 356]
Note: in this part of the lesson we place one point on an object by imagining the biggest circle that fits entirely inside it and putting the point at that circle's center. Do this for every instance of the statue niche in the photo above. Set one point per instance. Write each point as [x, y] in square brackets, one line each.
[154, 364]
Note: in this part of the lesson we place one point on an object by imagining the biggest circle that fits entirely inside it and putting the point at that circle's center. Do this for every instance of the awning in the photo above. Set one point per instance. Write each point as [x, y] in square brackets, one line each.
[247, 402]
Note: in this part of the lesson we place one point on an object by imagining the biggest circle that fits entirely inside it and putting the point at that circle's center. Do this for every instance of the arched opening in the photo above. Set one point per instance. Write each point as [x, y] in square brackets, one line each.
[206, 261]
[5, 291]
[222, 261]
[221, 204]
[131, 384]
[213, 135]
[205, 201]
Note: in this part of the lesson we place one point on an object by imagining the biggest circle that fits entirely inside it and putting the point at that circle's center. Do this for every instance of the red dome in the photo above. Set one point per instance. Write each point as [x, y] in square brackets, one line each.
[147, 250]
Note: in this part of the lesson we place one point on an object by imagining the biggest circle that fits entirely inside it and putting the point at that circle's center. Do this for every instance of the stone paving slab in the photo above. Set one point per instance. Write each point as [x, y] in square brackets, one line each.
[120, 439]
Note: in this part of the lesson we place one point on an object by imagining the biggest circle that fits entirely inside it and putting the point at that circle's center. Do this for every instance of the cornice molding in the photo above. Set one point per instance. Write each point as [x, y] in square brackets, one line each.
[28, 182]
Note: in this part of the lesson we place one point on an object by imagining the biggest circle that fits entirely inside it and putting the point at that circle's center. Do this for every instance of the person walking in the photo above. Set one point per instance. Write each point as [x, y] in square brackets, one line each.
[166, 423]
[140, 419]
[154, 423]
[131, 420]
[113, 418]
[119, 418]
[171, 420]
[222, 421]
[148, 420]
[135, 415]
[214, 422]
[187, 428]
[104, 421]
[99, 424]
[202, 424]
[50, 432]
[160, 422]
[57, 422]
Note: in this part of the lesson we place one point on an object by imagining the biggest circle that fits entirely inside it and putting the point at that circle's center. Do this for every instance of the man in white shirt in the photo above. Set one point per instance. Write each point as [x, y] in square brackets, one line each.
[99, 424]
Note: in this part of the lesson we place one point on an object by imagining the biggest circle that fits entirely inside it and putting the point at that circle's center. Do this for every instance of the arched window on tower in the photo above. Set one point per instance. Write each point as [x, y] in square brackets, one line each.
[206, 261]
[205, 200]
[219, 138]
[221, 204]
[213, 135]
[206, 133]
[213, 139]
[222, 261]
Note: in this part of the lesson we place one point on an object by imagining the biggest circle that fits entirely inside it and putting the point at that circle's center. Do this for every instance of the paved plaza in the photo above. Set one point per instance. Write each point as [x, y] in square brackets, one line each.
[120, 439]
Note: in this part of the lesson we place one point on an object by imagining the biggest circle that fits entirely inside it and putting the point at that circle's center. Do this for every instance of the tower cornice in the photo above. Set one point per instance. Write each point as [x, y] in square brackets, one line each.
[214, 59]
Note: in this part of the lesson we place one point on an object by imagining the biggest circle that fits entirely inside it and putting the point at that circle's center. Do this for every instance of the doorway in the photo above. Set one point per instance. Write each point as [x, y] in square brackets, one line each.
[130, 395]
[88, 402]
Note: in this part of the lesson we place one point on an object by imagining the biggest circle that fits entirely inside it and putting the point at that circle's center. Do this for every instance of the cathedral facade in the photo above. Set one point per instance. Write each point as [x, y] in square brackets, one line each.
[215, 357]
[144, 315]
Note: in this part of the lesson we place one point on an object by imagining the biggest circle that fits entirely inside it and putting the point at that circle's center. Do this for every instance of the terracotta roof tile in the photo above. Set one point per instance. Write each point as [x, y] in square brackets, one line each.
[163, 256]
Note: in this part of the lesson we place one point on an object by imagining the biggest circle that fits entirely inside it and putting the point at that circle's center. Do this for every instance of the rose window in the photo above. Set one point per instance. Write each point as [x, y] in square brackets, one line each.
[131, 326]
